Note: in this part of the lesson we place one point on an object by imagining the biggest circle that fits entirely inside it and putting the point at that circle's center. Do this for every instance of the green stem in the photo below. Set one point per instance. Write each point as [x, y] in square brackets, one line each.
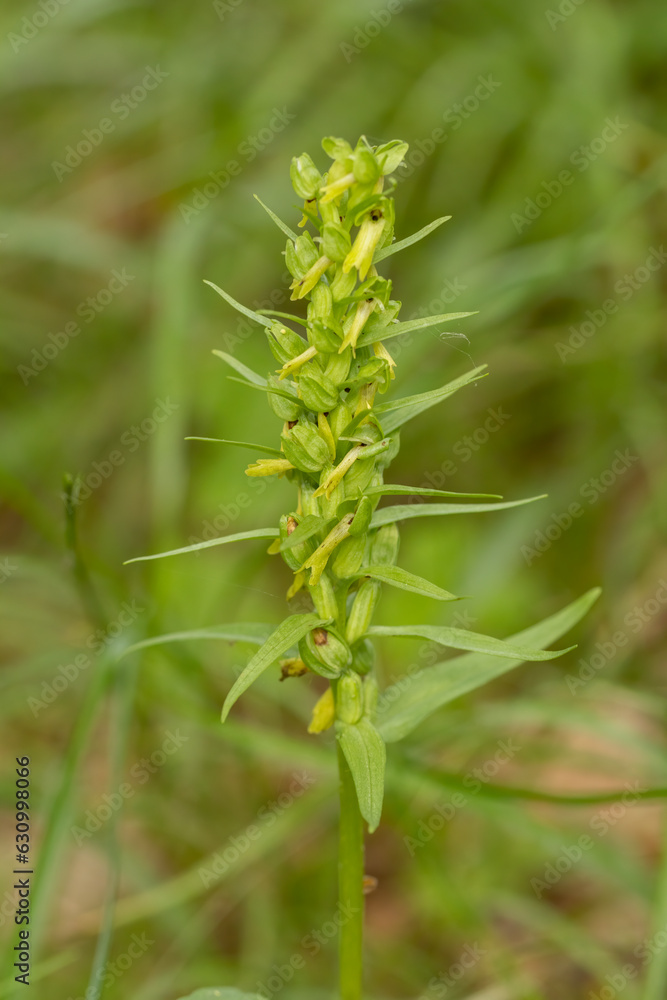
[350, 885]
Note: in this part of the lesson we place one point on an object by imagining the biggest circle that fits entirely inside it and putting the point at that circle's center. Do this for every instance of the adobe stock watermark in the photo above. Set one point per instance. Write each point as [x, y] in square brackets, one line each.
[112, 971]
[311, 943]
[581, 158]
[600, 825]
[474, 781]
[32, 24]
[7, 569]
[130, 441]
[565, 10]
[266, 817]
[450, 291]
[606, 650]
[86, 310]
[140, 773]
[592, 490]
[646, 951]
[624, 288]
[121, 108]
[374, 26]
[440, 985]
[454, 117]
[464, 449]
[67, 674]
[246, 151]
[225, 7]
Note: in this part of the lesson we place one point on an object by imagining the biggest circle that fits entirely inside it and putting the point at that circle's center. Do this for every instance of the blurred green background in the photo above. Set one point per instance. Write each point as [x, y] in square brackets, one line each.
[135, 134]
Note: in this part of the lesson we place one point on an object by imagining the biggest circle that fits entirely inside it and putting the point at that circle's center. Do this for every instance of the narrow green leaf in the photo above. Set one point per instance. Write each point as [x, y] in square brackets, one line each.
[241, 444]
[400, 411]
[310, 526]
[461, 638]
[283, 315]
[286, 635]
[253, 632]
[267, 388]
[240, 536]
[365, 754]
[412, 699]
[409, 240]
[411, 326]
[222, 992]
[242, 369]
[279, 222]
[397, 577]
[250, 313]
[404, 512]
[396, 490]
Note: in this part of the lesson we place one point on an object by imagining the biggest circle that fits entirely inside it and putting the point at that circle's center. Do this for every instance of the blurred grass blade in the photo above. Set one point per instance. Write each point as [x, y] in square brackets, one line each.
[286, 635]
[427, 690]
[221, 992]
[397, 577]
[404, 512]
[409, 240]
[209, 543]
[253, 632]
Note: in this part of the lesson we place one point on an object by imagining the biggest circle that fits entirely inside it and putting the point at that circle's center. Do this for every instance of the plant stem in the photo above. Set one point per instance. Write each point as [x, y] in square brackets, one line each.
[350, 885]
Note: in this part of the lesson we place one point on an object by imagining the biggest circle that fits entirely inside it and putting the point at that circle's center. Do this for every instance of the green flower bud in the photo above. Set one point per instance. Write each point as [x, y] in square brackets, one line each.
[324, 597]
[329, 649]
[363, 656]
[300, 255]
[306, 178]
[349, 557]
[349, 699]
[390, 155]
[282, 407]
[343, 284]
[339, 418]
[369, 371]
[321, 302]
[309, 504]
[366, 167]
[337, 149]
[336, 242]
[318, 392]
[384, 546]
[296, 555]
[361, 612]
[338, 366]
[314, 663]
[391, 451]
[285, 344]
[371, 692]
[362, 518]
[321, 337]
[305, 447]
[359, 476]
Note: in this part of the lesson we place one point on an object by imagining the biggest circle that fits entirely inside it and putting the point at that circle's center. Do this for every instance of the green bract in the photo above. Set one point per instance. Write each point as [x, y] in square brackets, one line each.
[339, 435]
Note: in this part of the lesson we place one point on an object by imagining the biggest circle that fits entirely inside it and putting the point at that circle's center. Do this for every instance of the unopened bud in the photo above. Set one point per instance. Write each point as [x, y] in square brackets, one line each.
[349, 699]
[306, 178]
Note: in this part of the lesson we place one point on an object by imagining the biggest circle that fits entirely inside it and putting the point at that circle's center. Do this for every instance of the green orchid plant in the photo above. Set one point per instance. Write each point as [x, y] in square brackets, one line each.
[340, 432]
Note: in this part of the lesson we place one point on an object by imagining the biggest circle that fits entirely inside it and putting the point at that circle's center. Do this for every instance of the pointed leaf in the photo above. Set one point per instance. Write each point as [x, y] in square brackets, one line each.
[222, 993]
[253, 632]
[404, 512]
[268, 389]
[411, 326]
[409, 240]
[396, 412]
[397, 577]
[285, 636]
[461, 638]
[241, 444]
[279, 222]
[412, 699]
[250, 313]
[242, 369]
[240, 536]
[396, 490]
[310, 526]
[365, 754]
